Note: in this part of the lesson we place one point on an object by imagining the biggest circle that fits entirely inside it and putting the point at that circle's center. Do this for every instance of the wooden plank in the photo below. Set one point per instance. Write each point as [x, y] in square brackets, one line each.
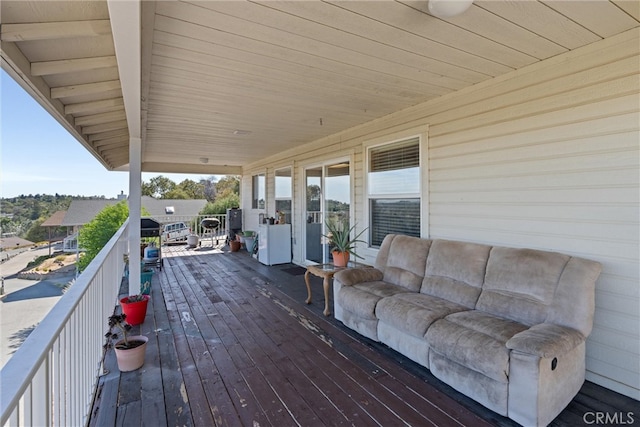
[407, 413]
[246, 407]
[436, 30]
[543, 21]
[63, 66]
[94, 107]
[601, 17]
[84, 89]
[104, 127]
[296, 397]
[177, 409]
[95, 119]
[268, 352]
[267, 39]
[324, 23]
[151, 392]
[54, 30]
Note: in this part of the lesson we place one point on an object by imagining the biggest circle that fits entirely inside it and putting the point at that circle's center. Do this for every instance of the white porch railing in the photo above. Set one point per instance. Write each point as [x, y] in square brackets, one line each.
[50, 380]
[194, 222]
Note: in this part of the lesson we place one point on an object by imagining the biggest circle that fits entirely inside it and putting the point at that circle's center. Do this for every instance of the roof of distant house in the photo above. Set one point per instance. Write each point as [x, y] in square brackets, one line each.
[55, 220]
[81, 212]
[163, 207]
[13, 242]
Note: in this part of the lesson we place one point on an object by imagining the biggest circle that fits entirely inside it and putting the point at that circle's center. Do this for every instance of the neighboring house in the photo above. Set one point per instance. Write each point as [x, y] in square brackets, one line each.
[81, 212]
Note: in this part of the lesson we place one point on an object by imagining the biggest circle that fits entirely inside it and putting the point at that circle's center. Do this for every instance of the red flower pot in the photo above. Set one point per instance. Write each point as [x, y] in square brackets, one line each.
[135, 311]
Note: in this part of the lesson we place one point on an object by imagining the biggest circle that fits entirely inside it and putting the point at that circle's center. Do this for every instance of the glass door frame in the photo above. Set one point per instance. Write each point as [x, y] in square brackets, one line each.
[323, 202]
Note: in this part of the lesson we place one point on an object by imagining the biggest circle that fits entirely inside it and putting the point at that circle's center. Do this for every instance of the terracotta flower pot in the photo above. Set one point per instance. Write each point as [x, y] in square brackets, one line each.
[135, 311]
[340, 259]
[235, 245]
[131, 359]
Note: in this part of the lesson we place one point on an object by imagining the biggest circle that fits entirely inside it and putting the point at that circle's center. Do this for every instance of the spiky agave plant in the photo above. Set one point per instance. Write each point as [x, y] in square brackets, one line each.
[339, 236]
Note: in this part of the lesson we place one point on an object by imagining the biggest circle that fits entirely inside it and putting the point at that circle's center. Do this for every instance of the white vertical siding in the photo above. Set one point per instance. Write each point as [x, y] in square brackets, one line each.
[546, 157]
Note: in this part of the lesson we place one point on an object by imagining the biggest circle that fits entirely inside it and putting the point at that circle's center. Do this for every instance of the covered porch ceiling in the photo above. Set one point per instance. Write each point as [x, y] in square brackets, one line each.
[227, 83]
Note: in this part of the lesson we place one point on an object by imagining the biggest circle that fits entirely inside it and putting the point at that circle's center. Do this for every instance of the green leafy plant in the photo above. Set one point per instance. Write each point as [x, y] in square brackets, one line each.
[339, 236]
[136, 298]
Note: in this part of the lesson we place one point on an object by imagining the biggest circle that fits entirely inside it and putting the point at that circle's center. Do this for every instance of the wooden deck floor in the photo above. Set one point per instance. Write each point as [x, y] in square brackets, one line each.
[231, 343]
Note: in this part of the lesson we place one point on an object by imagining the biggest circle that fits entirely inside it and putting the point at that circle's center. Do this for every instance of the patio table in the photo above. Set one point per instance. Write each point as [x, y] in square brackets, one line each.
[326, 271]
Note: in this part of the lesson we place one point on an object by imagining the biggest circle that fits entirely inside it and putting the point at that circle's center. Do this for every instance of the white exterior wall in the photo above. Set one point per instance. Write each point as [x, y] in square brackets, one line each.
[546, 157]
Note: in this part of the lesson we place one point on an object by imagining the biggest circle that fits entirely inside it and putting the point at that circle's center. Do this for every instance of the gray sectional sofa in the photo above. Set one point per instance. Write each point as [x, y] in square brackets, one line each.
[504, 326]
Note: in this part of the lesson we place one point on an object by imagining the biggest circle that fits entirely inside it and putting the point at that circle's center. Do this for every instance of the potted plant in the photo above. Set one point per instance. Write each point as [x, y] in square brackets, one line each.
[130, 349]
[340, 241]
[135, 308]
[235, 244]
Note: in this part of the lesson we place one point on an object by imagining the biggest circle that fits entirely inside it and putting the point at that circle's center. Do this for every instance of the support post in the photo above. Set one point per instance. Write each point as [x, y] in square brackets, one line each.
[135, 205]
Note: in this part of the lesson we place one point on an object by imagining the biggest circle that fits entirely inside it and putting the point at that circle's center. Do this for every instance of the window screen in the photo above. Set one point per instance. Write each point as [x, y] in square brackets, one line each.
[394, 190]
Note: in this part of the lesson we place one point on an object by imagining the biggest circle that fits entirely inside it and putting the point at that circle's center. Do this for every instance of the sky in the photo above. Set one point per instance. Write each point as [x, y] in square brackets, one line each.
[38, 156]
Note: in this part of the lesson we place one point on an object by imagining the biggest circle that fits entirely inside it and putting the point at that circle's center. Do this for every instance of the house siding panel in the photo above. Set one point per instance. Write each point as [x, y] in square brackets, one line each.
[545, 157]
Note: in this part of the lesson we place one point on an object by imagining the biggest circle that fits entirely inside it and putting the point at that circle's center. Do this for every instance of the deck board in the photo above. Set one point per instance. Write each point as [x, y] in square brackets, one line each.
[231, 343]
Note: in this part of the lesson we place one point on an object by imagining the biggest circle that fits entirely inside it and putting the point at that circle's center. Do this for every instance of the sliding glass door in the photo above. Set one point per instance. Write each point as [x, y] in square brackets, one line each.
[328, 197]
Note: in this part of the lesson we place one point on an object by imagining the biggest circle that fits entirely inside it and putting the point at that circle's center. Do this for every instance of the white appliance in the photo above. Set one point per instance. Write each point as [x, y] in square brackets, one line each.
[274, 244]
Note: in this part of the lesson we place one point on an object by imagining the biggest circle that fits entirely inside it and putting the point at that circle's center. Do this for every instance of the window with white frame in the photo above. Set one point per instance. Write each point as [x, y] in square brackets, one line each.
[393, 183]
[258, 191]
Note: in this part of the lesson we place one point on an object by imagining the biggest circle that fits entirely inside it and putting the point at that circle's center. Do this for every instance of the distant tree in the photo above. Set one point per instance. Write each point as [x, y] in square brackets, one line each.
[176, 193]
[36, 232]
[157, 187]
[209, 188]
[229, 182]
[193, 190]
[223, 202]
[97, 232]
[313, 198]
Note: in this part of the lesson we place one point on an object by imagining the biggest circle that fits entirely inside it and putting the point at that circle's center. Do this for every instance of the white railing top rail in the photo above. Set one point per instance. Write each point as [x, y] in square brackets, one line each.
[17, 375]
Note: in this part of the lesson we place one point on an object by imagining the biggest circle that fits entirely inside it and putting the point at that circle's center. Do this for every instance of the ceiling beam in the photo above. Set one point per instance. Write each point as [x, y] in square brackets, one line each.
[100, 118]
[112, 142]
[84, 89]
[119, 133]
[54, 30]
[46, 68]
[208, 169]
[94, 107]
[104, 127]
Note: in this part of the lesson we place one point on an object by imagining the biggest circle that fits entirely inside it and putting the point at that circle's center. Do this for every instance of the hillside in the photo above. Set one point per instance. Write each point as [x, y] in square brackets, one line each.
[21, 216]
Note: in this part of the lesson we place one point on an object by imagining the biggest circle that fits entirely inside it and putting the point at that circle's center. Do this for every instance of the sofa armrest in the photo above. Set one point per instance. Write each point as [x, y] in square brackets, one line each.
[546, 340]
[353, 276]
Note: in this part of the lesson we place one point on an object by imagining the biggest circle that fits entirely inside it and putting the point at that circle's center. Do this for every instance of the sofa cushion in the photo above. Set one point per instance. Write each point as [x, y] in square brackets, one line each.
[361, 299]
[406, 258]
[520, 283]
[455, 271]
[476, 340]
[413, 313]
